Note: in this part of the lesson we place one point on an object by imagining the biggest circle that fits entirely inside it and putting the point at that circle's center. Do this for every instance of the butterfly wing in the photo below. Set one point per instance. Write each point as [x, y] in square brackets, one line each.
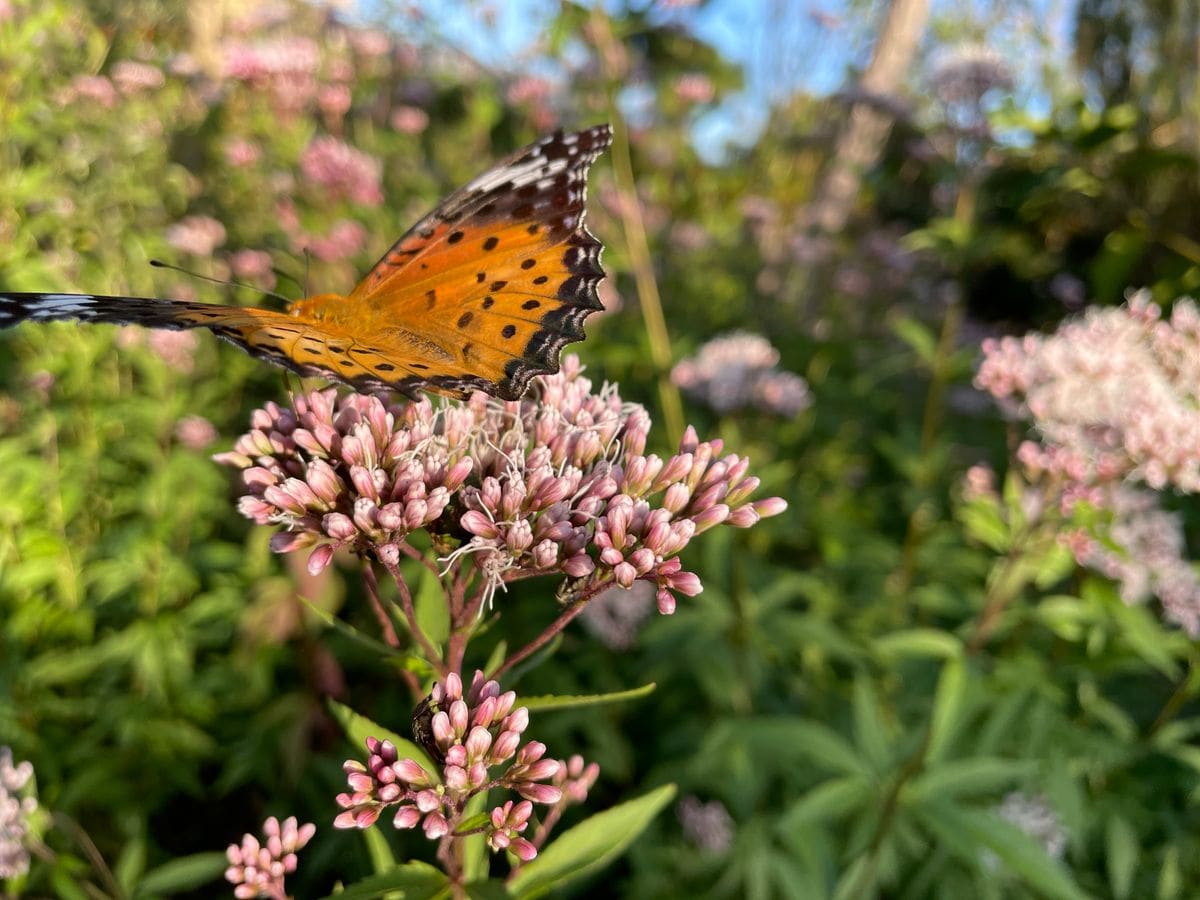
[305, 347]
[484, 291]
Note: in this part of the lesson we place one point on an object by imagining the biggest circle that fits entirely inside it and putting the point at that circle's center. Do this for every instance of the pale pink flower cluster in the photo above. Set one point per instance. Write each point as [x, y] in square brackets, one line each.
[176, 348]
[90, 89]
[259, 870]
[1034, 816]
[473, 734]
[132, 77]
[739, 370]
[195, 432]
[707, 825]
[198, 235]
[345, 238]
[16, 806]
[343, 170]
[241, 152]
[285, 66]
[255, 265]
[1143, 550]
[1114, 394]
[556, 483]
[409, 119]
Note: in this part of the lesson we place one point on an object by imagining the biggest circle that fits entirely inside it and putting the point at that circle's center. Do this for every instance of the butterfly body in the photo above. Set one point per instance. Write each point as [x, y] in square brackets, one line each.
[480, 294]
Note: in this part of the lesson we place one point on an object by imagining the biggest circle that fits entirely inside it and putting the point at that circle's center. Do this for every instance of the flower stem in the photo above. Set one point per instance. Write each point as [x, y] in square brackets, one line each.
[574, 608]
[432, 656]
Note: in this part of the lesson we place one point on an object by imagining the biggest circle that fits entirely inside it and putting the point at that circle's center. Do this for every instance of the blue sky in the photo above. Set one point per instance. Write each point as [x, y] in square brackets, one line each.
[781, 45]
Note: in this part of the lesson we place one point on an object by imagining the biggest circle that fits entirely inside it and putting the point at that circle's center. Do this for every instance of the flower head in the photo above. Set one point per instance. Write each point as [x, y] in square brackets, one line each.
[258, 870]
[558, 484]
[17, 805]
[343, 170]
[1114, 394]
[739, 370]
[475, 735]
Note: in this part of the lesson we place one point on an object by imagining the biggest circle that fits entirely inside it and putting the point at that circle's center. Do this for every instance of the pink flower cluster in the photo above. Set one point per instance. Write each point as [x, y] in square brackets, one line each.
[739, 370]
[197, 235]
[1143, 550]
[132, 77]
[473, 735]
[259, 870]
[342, 170]
[1115, 393]
[558, 482]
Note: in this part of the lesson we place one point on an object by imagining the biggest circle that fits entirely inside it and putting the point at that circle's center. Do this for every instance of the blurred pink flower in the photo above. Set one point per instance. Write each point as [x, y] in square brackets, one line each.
[17, 806]
[695, 88]
[334, 101]
[345, 239]
[370, 42]
[91, 89]
[409, 119]
[343, 170]
[198, 235]
[707, 825]
[254, 265]
[6, 10]
[738, 370]
[175, 348]
[615, 615]
[529, 89]
[133, 77]
[241, 152]
[263, 60]
[195, 432]
[1115, 394]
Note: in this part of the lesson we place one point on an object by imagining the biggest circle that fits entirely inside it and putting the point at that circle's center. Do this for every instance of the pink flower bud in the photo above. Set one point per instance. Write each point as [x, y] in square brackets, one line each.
[666, 602]
[478, 742]
[411, 772]
[545, 554]
[427, 801]
[407, 817]
[320, 558]
[323, 481]
[435, 826]
[625, 574]
[458, 473]
[743, 517]
[338, 526]
[452, 688]
[287, 541]
[743, 489]
[578, 565]
[459, 718]
[539, 793]
[772, 506]
[389, 555]
[524, 850]
[517, 720]
[390, 517]
[505, 746]
[478, 523]
[714, 515]
[520, 536]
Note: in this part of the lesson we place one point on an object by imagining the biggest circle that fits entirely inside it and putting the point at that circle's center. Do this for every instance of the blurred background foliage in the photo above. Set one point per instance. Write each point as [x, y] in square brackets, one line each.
[848, 708]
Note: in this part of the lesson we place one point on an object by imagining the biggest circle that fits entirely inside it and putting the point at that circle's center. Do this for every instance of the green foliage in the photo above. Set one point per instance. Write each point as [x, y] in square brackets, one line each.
[863, 681]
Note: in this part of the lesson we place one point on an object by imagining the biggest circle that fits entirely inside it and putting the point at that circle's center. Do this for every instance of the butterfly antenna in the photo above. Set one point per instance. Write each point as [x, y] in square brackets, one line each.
[159, 264]
[307, 259]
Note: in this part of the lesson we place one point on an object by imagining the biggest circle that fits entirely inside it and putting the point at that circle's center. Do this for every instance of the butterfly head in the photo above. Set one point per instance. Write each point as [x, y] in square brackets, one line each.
[318, 306]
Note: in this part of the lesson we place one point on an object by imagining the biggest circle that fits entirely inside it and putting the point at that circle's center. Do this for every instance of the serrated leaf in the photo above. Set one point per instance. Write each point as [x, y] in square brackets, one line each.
[576, 701]
[182, 874]
[358, 728]
[593, 843]
[417, 881]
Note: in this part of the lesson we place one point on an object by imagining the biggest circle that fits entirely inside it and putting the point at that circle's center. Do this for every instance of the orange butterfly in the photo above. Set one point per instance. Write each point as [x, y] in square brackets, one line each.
[482, 294]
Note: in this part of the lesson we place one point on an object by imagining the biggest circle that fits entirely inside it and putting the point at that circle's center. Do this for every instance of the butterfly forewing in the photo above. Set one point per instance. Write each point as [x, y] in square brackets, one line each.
[481, 294]
[494, 282]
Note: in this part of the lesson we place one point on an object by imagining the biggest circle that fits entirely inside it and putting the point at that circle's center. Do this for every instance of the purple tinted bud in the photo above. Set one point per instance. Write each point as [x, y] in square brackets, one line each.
[407, 817]
[458, 473]
[743, 516]
[539, 793]
[338, 526]
[390, 517]
[520, 536]
[666, 601]
[411, 772]
[545, 554]
[287, 541]
[578, 565]
[435, 826]
[625, 574]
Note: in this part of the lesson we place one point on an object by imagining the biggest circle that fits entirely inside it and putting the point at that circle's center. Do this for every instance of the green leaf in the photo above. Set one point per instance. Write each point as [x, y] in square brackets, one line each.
[964, 831]
[358, 728]
[493, 889]
[576, 701]
[417, 880]
[433, 613]
[917, 336]
[382, 858]
[183, 874]
[329, 619]
[948, 702]
[475, 848]
[590, 845]
[978, 776]
[919, 642]
[1123, 849]
[830, 799]
[869, 730]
